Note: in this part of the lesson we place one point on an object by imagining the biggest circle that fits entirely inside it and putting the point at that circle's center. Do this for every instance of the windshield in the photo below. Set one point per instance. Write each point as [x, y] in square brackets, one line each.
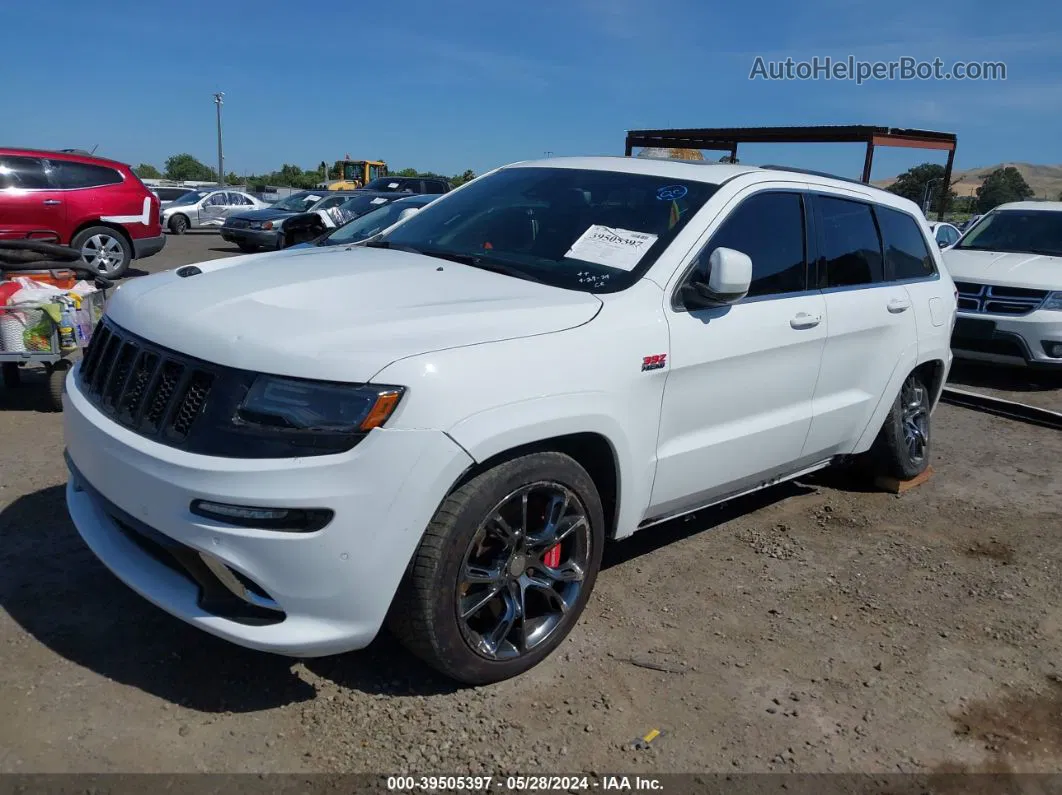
[299, 202]
[370, 223]
[191, 197]
[390, 185]
[1023, 231]
[589, 230]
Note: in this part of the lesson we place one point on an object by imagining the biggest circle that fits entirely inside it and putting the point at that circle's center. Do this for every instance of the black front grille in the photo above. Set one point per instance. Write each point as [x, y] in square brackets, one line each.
[188, 403]
[237, 223]
[998, 300]
[148, 389]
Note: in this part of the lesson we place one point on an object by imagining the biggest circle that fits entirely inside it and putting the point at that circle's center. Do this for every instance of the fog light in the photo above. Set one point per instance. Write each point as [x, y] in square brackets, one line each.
[1053, 349]
[299, 520]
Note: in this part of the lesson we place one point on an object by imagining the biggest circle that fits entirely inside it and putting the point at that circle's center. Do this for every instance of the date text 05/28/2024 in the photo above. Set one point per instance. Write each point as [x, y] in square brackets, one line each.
[575, 783]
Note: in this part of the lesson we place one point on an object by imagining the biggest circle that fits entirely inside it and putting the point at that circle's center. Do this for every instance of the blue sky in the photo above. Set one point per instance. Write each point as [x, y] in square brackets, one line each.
[446, 85]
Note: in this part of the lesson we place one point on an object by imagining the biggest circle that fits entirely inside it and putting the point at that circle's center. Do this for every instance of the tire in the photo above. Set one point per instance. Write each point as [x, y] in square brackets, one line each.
[104, 251]
[247, 248]
[178, 223]
[902, 449]
[425, 614]
[12, 375]
[56, 379]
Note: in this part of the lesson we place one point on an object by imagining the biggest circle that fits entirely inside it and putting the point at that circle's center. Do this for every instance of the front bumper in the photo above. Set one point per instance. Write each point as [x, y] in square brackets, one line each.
[254, 237]
[1005, 339]
[328, 590]
[148, 246]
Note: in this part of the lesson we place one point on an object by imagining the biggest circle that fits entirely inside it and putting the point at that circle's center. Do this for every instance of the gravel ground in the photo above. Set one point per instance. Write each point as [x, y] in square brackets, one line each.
[817, 626]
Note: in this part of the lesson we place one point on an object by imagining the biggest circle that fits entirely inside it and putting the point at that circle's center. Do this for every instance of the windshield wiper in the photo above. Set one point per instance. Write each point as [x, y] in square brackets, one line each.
[472, 260]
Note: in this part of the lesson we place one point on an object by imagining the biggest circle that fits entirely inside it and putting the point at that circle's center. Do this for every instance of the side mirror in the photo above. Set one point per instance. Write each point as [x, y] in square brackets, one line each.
[729, 278]
[406, 213]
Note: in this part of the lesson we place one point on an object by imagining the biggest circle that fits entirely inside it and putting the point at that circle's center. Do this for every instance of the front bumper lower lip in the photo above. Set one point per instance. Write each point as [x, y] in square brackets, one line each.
[1008, 340]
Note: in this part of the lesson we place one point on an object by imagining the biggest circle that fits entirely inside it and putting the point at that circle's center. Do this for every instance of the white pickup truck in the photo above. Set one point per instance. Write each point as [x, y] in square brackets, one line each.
[441, 427]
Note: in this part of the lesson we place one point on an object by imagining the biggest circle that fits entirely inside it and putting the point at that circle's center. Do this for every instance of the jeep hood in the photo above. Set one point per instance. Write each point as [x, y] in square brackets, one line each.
[339, 315]
[1013, 269]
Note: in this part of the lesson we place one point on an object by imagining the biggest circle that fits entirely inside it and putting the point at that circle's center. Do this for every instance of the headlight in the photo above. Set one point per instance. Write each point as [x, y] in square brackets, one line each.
[291, 405]
[271, 224]
[1053, 301]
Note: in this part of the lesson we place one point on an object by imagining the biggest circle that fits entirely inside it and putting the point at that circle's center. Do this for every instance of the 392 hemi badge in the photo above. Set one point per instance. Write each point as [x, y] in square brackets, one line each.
[656, 362]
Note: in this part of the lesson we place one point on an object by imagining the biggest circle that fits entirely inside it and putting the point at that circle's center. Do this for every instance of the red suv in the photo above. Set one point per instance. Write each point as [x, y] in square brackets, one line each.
[95, 205]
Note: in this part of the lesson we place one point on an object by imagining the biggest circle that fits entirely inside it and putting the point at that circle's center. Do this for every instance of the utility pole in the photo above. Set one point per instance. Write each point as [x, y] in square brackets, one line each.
[219, 100]
[927, 196]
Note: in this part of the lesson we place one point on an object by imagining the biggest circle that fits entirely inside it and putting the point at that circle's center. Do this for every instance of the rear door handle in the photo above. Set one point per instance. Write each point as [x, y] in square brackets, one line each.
[804, 320]
[51, 202]
[897, 305]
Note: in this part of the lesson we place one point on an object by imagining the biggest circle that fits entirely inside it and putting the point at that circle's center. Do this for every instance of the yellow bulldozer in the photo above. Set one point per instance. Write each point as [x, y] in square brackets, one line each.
[355, 173]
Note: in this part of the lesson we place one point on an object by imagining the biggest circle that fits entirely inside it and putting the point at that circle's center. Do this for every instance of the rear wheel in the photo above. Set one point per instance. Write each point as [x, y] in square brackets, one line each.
[103, 250]
[504, 570]
[903, 444]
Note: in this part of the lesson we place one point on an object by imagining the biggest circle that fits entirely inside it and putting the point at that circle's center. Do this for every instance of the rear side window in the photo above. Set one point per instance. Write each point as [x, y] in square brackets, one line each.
[70, 175]
[852, 246]
[769, 227]
[434, 187]
[906, 253]
[23, 173]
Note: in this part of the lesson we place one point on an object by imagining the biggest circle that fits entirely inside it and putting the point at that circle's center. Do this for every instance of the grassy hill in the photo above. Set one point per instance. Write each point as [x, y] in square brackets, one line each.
[1046, 181]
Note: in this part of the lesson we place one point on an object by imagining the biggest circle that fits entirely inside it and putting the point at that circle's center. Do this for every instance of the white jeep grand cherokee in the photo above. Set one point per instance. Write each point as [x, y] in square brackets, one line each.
[1008, 270]
[443, 427]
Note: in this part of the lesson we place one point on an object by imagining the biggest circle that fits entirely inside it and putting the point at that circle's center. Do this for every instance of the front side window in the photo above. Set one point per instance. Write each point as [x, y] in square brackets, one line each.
[217, 200]
[23, 173]
[1022, 231]
[191, 197]
[906, 253]
[769, 228]
[852, 244]
[580, 229]
[70, 175]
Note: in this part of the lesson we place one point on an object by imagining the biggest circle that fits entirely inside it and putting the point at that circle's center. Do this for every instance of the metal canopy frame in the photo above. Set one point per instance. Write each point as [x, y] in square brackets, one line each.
[726, 139]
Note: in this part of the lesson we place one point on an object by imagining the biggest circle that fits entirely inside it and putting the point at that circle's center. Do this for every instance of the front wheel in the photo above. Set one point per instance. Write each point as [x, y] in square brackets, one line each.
[178, 224]
[504, 570]
[902, 448]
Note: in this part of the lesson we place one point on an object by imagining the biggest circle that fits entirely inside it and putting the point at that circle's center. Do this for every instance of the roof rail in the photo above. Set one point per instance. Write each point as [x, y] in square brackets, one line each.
[813, 173]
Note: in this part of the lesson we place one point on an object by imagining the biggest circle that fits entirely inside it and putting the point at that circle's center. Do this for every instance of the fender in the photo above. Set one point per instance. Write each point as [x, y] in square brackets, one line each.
[512, 425]
[907, 362]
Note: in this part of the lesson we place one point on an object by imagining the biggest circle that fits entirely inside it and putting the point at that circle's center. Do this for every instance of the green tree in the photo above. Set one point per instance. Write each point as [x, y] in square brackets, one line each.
[147, 171]
[1001, 186]
[184, 166]
[407, 172]
[912, 183]
[461, 179]
[232, 178]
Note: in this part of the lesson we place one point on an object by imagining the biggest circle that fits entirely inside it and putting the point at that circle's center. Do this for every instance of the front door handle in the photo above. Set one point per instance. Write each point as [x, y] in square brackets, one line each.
[804, 320]
[52, 202]
[897, 305]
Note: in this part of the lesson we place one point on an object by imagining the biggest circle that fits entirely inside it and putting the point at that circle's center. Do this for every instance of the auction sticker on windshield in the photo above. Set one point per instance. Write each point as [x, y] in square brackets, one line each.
[313, 197]
[611, 246]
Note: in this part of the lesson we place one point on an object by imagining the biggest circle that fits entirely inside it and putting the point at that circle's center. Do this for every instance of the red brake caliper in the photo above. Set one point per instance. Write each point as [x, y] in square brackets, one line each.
[552, 557]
